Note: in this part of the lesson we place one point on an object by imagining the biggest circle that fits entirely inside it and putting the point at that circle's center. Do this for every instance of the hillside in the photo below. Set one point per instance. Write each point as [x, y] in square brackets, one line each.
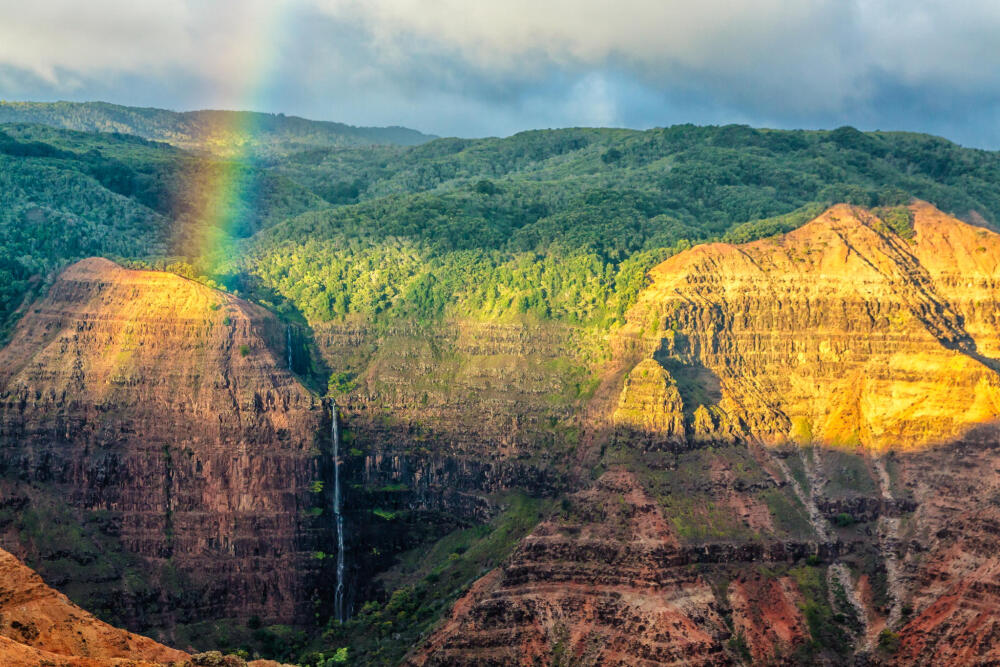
[563, 224]
[42, 626]
[223, 133]
[739, 511]
[68, 195]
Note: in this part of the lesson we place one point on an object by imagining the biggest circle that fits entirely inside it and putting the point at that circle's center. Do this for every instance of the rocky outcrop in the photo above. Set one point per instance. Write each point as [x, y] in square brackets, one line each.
[844, 331]
[162, 410]
[41, 626]
[604, 583]
[767, 615]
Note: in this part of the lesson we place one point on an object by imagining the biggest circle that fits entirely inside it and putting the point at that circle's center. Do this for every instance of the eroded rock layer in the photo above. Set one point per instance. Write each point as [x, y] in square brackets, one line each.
[604, 584]
[159, 411]
[853, 329]
[860, 350]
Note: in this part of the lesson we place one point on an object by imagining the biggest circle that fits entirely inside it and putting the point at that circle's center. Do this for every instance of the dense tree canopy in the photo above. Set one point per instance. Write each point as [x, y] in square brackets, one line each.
[550, 224]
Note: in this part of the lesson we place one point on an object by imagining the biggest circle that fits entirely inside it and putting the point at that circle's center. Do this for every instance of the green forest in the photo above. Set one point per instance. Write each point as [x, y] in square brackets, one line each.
[553, 224]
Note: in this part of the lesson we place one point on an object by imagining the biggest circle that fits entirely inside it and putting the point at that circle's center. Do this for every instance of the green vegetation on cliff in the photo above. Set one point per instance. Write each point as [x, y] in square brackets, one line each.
[563, 224]
[551, 230]
[557, 224]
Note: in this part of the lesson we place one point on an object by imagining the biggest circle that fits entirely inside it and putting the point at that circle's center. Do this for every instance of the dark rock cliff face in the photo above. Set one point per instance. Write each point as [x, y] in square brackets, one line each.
[158, 409]
[441, 420]
[463, 406]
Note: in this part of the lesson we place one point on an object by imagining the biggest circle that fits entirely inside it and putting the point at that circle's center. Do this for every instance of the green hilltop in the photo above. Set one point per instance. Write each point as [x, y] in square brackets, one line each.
[553, 224]
[225, 133]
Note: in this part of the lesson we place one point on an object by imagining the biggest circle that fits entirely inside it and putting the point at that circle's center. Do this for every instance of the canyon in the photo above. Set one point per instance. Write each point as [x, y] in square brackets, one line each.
[787, 454]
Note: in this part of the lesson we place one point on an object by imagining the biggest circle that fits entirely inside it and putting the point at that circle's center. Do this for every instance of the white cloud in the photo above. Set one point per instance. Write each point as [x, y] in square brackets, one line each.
[582, 61]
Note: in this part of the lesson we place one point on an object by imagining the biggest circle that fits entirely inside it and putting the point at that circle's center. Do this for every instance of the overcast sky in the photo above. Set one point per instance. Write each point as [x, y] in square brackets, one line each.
[494, 67]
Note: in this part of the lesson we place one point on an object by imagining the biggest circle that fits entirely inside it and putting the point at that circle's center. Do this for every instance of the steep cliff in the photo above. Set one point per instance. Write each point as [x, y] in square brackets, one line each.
[801, 443]
[842, 332]
[604, 582]
[156, 456]
[786, 456]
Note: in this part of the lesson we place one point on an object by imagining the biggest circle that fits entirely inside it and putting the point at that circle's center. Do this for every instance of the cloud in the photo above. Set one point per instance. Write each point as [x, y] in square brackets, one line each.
[493, 67]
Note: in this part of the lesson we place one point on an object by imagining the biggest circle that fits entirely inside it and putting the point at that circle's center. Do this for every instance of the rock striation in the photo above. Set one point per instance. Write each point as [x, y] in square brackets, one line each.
[860, 350]
[843, 332]
[603, 583]
[162, 410]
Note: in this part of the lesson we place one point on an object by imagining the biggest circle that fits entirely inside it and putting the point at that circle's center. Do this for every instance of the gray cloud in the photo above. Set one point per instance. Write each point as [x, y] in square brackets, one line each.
[491, 67]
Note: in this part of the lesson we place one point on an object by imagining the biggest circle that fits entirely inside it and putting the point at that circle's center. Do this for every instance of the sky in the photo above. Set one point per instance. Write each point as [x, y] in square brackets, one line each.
[495, 67]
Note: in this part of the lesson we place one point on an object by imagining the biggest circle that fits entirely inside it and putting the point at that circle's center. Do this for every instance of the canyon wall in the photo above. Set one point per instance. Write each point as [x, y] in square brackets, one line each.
[800, 450]
[156, 456]
[842, 332]
[787, 455]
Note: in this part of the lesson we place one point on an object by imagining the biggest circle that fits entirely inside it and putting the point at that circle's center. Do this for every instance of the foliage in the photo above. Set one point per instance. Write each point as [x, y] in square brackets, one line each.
[564, 224]
[559, 224]
[843, 519]
[221, 132]
[888, 641]
[827, 630]
[427, 581]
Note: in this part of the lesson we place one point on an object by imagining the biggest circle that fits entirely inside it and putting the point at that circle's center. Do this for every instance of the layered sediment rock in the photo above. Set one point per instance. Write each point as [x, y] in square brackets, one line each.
[603, 584]
[864, 331]
[841, 332]
[948, 553]
[161, 408]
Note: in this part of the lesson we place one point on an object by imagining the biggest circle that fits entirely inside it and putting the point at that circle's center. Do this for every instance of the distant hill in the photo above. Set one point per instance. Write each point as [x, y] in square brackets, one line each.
[225, 133]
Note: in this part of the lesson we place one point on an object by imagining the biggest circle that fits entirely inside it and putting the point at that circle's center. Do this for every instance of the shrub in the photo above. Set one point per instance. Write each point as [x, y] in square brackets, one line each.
[888, 641]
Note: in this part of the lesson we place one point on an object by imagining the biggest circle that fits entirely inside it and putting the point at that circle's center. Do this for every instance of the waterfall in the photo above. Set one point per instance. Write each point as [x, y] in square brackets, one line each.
[288, 344]
[338, 600]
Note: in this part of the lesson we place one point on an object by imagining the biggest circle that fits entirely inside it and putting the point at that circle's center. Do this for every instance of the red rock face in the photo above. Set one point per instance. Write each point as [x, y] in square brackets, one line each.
[952, 582]
[604, 584]
[162, 404]
[767, 614]
[36, 620]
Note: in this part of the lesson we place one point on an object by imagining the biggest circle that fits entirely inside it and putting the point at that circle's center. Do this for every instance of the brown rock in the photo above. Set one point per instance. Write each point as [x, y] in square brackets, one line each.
[167, 405]
[38, 624]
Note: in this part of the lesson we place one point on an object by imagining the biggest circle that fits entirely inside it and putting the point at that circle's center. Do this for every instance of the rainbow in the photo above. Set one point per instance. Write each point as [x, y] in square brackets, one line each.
[217, 197]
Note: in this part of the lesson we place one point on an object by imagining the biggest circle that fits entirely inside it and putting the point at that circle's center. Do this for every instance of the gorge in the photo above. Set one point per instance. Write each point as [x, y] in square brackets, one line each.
[439, 437]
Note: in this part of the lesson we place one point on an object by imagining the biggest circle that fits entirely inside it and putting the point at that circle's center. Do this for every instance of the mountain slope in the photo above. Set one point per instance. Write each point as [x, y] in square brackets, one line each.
[842, 332]
[219, 132]
[862, 530]
[33, 616]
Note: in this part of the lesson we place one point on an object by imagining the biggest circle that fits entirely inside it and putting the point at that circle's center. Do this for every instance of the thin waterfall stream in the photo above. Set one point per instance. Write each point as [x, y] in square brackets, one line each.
[288, 344]
[338, 600]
